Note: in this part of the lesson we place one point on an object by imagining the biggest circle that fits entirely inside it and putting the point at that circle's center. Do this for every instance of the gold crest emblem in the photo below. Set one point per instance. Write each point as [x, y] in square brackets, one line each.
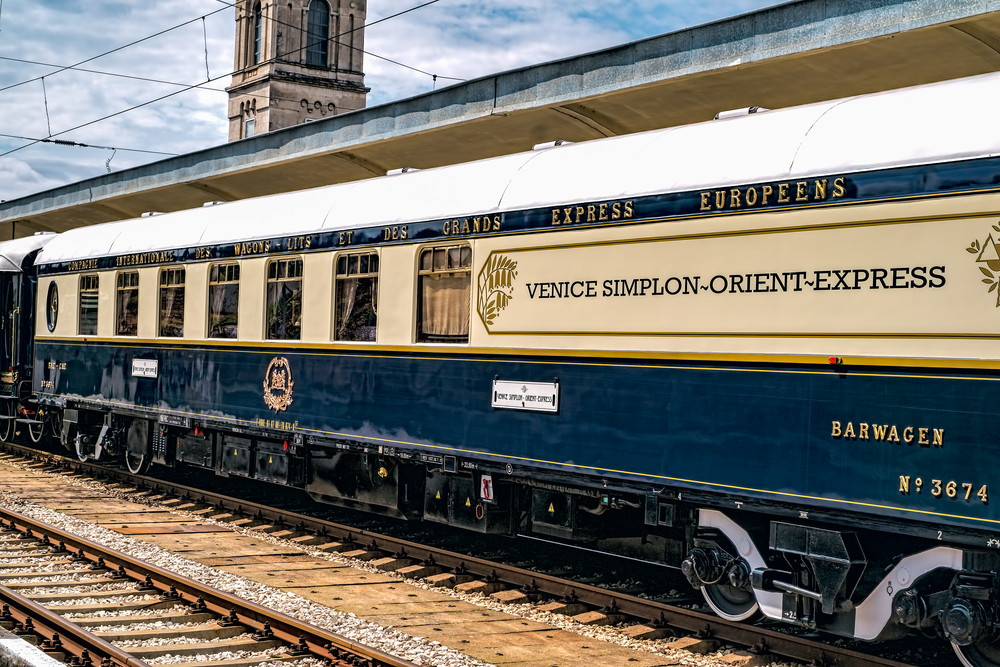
[278, 384]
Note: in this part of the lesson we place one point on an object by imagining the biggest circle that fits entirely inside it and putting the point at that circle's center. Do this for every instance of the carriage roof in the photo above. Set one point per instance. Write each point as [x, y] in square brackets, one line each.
[940, 122]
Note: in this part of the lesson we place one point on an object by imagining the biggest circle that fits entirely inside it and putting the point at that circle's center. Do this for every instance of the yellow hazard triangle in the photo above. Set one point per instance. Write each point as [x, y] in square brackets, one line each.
[438, 496]
[551, 508]
[468, 502]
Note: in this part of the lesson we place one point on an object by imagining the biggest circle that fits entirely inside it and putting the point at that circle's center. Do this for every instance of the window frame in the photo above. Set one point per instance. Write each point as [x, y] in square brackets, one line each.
[300, 278]
[338, 277]
[419, 336]
[182, 286]
[258, 34]
[239, 288]
[52, 306]
[118, 290]
[96, 289]
[317, 45]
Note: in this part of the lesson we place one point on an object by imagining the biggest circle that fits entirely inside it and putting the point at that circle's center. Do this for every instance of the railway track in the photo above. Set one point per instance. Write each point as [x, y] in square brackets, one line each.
[588, 604]
[39, 563]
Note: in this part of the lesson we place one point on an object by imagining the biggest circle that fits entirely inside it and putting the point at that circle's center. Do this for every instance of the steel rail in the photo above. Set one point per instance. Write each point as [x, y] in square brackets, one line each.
[660, 614]
[73, 639]
[323, 643]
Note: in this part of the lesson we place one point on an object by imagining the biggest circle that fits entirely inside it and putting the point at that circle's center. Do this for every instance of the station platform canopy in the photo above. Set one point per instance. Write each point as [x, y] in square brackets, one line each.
[786, 55]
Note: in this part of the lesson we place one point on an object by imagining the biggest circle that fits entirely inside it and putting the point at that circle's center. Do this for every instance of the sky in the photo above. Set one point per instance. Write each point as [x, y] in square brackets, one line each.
[191, 42]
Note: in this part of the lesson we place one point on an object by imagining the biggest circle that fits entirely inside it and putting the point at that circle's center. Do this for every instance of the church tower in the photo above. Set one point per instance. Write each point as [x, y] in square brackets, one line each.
[296, 61]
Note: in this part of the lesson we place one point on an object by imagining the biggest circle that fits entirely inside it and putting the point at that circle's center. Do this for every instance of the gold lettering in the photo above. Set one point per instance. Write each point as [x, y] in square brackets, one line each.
[838, 187]
[567, 211]
[454, 227]
[922, 436]
[496, 223]
[734, 198]
[403, 233]
[836, 430]
[705, 203]
[800, 191]
[849, 431]
[616, 210]
[879, 431]
[387, 232]
[465, 226]
[908, 434]
[395, 233]
[309, 241]
[893, 435]
[447, 228]
[579, 213]
[751, 196]
[783, 193]
[628, 209]
[863, 431]
[720, 199]
[820, 189]
[603, 212]
[938, 437]
[591, 213]
[766, 190]
[555, 219]
[904, 483]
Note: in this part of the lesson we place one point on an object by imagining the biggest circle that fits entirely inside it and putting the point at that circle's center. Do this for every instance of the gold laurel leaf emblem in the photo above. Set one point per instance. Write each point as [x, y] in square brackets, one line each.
[278, 384]
[496, 287]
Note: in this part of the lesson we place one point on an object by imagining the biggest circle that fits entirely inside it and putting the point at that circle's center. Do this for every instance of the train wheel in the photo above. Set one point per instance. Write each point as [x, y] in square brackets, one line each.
[53, 420]
[731, 603]
[7, 423]
[35, 431]
[137, 456]
[985, 653]
[80, 449]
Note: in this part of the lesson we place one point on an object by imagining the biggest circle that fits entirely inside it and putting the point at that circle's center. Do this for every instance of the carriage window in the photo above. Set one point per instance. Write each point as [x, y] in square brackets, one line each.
[88, 305]
[284, 299]
[445, 277]
[356, 299]
[127, 304]
[52, 306]
[223, 300]
[172, 303]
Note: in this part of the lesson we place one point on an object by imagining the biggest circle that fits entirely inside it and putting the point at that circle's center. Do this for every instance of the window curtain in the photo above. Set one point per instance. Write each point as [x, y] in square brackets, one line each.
[445, 305]
[128, 312]
[347, 290]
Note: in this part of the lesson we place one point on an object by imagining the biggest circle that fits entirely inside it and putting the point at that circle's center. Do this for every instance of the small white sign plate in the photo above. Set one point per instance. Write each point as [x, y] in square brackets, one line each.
[535, 396]
[145, 368]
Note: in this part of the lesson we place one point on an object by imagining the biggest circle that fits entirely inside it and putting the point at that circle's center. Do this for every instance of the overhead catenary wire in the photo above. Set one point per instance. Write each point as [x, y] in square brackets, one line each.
[64, 142]
[191, 86]
[204, 31]
[114, 50]
[201, 85]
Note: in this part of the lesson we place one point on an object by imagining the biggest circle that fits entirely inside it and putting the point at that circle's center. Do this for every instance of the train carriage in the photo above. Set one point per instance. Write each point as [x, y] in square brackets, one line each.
[762, 348]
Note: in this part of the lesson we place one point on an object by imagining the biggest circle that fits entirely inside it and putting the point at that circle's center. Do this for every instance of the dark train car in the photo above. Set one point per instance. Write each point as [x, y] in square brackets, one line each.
[762, 348]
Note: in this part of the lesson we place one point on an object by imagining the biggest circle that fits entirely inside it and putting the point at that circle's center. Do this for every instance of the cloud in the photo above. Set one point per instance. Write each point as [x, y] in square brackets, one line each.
[453, 38]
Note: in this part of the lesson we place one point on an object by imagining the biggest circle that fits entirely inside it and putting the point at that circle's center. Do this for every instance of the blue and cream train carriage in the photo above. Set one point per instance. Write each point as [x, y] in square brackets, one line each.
[765, 348]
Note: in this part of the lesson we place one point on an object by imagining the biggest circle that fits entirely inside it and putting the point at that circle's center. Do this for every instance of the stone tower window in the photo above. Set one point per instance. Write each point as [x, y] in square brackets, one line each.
[318, 35]
[258, 29]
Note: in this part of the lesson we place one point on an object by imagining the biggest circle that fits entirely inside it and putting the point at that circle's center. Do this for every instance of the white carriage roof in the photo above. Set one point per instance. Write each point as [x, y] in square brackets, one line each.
[925, 124]
[13, 252]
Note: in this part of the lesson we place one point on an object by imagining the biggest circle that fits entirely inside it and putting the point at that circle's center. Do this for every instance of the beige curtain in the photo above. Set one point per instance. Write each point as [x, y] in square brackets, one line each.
[348, 289]
[445, 302]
